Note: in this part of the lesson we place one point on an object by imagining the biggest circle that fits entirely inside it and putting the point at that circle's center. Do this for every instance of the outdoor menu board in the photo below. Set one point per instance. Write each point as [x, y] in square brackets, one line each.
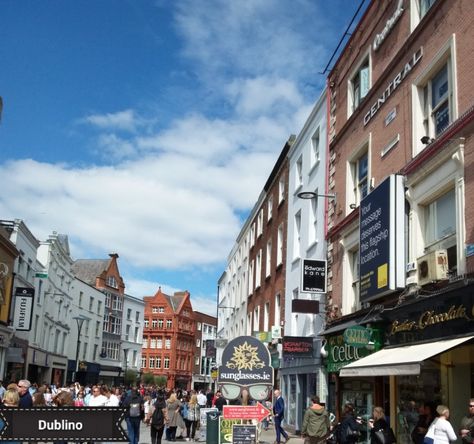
[244, 434]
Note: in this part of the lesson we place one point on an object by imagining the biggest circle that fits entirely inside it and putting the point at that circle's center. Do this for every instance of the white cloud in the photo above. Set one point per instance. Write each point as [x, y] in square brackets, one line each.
[121, 120]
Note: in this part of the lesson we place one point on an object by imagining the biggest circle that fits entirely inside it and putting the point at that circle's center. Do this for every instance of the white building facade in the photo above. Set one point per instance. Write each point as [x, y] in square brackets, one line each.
[302, 377]
[132, 333]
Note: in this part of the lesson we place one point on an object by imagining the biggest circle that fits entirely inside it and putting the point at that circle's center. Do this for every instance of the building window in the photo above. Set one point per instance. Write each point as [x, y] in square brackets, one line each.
[198, 343]
[151, 362]
[277, 313]
[268, 259]
[256, 318]
[154, 310]
[160, 324]
[251, 276]
[169, 324]
[81, 296]
[260, 223]
[360, 177]
[129, 314]
[354, 273]
[314, 153]
[143, 362]
[198, 326]
[91, 304]
[269, 208]
[436, 103]
[99, 307]
[420, 8]
[281, 190]
[145, 343]
[166, 362]
[299, 173]
[154, 323]
[158, 363]
[111, 282]
[161, 309]
[266, 317]
[252, 235]
[153, 343]
[258, 269]
[440, 227]
[313, 221]
[280, 245]
[359, 85]
[168, 343]
[159, 343]
[297, 236]
[146, 323]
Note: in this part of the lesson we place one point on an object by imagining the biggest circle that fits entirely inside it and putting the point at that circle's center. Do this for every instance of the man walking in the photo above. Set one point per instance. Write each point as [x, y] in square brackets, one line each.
[278, 415]
[316, 424]
[467, 425]
[26, 401]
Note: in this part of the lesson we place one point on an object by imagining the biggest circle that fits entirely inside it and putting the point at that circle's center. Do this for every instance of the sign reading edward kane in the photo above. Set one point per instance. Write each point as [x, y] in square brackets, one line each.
[63, 424]
[245, 361]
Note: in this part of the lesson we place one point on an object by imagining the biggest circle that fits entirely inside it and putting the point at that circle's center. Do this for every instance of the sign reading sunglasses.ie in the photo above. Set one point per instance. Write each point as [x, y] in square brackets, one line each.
[63, 424]
[245, 363]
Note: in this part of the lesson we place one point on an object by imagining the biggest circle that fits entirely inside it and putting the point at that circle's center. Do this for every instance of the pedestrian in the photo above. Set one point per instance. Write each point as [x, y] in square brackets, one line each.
[443, 431]
[2, 390]
[426, 417]
[97, 399]
[175, 420]
[39, 400]
[133, 405]
[348, 431]
[26, 401]
[157, 418]
[380, 431]
[278, 416]
[201, 399]
[467, 425]
[316, 425]
[219, 401]
[192, 418]
[11, 398]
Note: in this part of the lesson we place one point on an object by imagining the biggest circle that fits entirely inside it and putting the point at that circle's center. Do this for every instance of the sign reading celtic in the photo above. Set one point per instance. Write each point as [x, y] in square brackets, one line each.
[245, 364]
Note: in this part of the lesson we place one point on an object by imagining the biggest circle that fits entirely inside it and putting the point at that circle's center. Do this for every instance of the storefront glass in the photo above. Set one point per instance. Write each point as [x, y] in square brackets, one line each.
[446, 379]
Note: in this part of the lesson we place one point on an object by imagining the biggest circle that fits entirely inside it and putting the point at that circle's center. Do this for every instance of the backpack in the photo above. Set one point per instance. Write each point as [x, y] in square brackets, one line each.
[134, 410]
[158, 419]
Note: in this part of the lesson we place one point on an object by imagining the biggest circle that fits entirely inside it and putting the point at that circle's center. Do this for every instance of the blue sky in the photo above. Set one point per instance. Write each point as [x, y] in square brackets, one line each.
[148, 128]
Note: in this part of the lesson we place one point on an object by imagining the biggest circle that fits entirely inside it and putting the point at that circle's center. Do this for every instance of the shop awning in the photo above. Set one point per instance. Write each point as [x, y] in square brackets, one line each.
[399, 360]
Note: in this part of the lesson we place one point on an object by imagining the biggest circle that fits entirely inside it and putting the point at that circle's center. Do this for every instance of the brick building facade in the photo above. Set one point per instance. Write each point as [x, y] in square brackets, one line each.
[168, 338]
[401, 103]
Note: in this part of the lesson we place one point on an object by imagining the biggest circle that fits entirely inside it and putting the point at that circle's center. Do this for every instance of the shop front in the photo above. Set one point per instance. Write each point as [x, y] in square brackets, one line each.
[429, 359]
[351, 344]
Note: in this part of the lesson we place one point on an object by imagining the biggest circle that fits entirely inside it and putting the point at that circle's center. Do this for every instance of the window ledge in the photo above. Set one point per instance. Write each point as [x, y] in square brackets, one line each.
[313, 168]
[312, 245]
[295, 260]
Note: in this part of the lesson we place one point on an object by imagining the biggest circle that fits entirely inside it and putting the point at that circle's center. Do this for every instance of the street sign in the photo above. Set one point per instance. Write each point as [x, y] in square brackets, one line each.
[41, 275]
[258, 412]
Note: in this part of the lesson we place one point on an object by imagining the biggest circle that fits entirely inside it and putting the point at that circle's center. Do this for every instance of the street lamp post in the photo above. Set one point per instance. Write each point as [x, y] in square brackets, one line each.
[80, 321]
[125, 354]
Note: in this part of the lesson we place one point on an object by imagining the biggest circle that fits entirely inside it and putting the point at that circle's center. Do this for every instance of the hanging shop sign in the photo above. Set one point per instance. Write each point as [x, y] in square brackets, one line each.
[245, 363]
[313, 276]
[436, 317]
[340, 353]
[381, 234]
[297, 347]
[389, 25]
[393, 85]
[22, 315]
[358, 336]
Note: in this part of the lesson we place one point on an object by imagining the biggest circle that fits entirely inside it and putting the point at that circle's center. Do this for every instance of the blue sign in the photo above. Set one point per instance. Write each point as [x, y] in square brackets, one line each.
[381, 229]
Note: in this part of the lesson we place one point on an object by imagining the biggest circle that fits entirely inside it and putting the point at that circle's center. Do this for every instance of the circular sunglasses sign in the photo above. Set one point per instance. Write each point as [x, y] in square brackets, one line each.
[245, 365]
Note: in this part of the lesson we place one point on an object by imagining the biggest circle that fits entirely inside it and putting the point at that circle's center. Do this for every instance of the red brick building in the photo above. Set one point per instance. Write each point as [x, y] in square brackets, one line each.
[169, 338]
[401, 101]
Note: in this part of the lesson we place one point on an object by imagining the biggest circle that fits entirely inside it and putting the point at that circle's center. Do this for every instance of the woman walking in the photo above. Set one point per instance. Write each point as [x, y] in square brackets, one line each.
[380, 431]
[443, 431]
[175, 419]
[193, 417]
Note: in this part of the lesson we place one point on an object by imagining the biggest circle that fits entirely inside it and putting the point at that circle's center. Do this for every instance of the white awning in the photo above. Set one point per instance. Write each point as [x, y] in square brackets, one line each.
[399, 360]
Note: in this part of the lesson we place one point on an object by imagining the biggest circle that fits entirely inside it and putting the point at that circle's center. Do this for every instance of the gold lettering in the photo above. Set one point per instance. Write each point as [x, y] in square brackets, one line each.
[401, 326]
[430, 317]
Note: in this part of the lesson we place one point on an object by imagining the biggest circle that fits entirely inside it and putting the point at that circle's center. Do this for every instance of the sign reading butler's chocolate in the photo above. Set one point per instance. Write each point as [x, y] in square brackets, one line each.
[297, 347]
[436, 317]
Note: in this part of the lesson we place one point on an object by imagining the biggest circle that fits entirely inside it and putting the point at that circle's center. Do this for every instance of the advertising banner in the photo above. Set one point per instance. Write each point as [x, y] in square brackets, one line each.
[381, 233]
[22, 316]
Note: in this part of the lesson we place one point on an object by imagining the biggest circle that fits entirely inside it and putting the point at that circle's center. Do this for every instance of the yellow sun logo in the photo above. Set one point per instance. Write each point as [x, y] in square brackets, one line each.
[245, 357]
